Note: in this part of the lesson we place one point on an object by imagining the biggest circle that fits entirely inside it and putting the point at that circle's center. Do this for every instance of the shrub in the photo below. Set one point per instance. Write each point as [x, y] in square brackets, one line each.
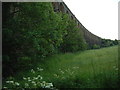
[96, 46]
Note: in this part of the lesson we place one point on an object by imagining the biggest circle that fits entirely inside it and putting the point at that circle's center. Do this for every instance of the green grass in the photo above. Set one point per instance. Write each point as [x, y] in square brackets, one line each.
[89, 69]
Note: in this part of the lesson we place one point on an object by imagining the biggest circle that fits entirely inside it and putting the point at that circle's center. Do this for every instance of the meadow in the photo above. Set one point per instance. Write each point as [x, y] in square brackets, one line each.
[96, 68]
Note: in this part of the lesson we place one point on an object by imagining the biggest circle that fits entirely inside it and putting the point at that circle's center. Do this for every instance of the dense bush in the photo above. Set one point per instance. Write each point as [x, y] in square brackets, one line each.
[32, 31]
[73, 41]
[96, 46]
[108, 42]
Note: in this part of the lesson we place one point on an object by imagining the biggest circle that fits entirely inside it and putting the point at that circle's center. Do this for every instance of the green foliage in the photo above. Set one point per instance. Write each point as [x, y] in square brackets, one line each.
[108, 42]
[28, 82]
[96, 46]
[33, 31]
[88, 69]
[73, 41]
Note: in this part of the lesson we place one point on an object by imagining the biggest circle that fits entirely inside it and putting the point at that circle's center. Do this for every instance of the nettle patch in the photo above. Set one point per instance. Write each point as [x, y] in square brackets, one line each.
[35, 81]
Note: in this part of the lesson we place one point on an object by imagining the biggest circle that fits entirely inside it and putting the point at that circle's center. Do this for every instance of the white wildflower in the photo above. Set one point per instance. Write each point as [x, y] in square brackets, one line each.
[35, 78]
[55, 75]
[62, 72]
[32, 71]
[116, 69]
[43, 82]
[24, 78]
[41, 78]
[60, 69]
[9, 81]
[42, 85]
[40, 69]
[5, 87]
[49, 85]
[26, 85]
[32, 82]
[114, 66]
[28, 77]
[16, 83]
[29, 80]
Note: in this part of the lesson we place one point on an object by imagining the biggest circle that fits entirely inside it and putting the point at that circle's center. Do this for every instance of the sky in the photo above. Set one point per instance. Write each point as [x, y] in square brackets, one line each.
[98, 16]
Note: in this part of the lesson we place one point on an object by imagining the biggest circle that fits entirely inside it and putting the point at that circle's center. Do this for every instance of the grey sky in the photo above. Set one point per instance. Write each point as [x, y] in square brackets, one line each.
[98, 16]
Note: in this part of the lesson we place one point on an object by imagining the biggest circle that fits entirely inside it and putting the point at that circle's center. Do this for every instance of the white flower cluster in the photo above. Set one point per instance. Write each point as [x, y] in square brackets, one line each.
[38, 69]
[46, 85]
[12, 83]
[30, 82]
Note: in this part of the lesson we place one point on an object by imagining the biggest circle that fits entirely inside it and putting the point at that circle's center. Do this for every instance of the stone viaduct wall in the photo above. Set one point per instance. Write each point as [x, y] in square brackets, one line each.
[90, 38]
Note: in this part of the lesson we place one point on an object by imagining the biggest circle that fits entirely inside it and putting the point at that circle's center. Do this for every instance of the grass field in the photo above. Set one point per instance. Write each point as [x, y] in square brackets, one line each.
[89, 69]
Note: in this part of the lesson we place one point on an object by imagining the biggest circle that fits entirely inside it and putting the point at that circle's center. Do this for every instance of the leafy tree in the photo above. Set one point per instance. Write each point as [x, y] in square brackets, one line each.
[33, 31]
[73, 41]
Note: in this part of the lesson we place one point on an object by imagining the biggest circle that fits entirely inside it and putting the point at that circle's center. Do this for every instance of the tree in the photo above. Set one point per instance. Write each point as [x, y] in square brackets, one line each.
[73, 41]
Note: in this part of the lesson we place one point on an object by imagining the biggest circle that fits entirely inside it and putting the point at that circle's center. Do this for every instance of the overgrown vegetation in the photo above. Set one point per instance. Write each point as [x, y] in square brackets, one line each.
[108, 42]
[89, 69]
[33, 31]
[32, 36]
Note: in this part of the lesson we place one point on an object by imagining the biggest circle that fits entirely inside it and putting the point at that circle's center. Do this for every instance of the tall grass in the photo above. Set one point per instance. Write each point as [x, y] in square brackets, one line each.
[88, 69]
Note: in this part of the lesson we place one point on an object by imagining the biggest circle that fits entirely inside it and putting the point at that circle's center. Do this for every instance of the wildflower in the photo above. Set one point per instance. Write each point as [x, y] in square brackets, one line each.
[43, 84]
[24, 78]
[26, 85]
[60, 69]
[29, 80]
[40, 69]
[35, 78]
[62, 72]
[5, 87]
[114, 66]
[116, 69]
[28, 77]
[16, 83]
[63, 77]
[33, 82]
[38, 76]
[32, 71]
[9, 81]
[41, 78]
[55, 75]
[49, 85]
[75, 67]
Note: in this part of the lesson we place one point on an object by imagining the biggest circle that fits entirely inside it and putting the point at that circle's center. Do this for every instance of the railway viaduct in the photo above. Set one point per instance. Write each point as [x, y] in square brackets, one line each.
[90, 38]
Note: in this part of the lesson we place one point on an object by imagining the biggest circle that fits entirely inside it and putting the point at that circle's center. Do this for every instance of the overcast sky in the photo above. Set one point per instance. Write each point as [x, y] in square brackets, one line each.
[99, 16]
